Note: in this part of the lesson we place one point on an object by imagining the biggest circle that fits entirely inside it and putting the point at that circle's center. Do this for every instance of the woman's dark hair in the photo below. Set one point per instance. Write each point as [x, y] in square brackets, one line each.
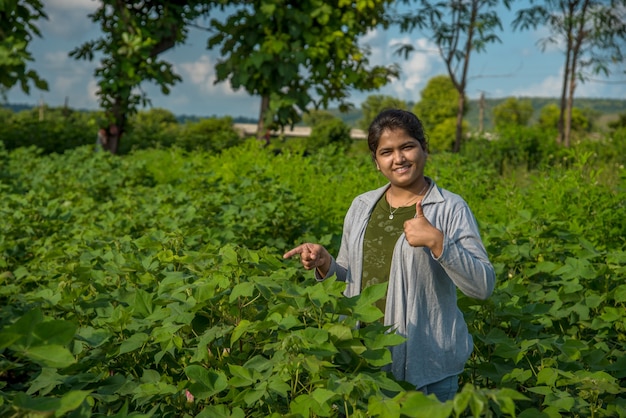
[392, 119]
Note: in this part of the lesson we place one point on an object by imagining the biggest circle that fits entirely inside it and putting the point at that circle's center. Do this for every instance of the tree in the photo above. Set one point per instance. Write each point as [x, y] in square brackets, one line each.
[592, 32]
[512, 112]
[135, 33]
[374, 104]
[17, 27]
[470, 26]
[437, 109]
[549, 118]
[295, 54]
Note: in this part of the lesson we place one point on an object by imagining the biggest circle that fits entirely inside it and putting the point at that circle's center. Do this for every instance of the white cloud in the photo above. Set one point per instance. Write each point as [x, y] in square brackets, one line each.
[415, 71]
[68, 19]
[202, 74]
[548, 87]
[72, 4]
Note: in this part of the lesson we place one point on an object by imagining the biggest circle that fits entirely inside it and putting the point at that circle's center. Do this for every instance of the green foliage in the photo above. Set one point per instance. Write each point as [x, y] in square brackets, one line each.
[327, 131]
[133, 36]
[441, 137]
[151, 284]
[549, 119]
[213, 134]
[527, 147]
[65, 129]
[439, 101]
[17, 29]
[317, 117]
[459, 29]
[619, 123]
[153, 128]
[437, 109]
[513, 112]
[299, 53]
[375, 104]
[59, 130]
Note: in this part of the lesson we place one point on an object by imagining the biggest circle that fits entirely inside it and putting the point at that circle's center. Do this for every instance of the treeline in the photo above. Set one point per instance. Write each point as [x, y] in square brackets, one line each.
[609, 109]
[604, 109]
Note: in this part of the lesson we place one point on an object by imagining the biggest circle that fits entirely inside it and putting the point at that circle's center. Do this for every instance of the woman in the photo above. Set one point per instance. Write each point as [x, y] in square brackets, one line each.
[424, 241]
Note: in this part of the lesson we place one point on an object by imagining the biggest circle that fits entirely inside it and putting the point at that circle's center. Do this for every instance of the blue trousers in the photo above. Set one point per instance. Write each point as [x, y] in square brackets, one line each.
[444, 389]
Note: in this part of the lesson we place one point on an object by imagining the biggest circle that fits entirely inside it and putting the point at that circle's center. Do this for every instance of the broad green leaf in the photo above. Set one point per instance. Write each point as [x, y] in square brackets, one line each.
[243, 289]
[242, 327]
[207, 383]
[134, 342]
[416, 404]
[50, 355]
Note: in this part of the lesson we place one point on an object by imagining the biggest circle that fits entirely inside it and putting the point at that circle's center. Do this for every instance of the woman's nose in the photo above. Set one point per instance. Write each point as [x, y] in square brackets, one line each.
[398, 156]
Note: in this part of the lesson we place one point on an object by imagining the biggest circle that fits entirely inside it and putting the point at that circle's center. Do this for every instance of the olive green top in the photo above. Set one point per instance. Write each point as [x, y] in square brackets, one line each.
[380, 238]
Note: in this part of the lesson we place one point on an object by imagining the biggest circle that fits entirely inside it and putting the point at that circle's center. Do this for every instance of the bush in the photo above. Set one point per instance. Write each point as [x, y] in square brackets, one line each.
[150, 129]
[55, 133]
[329, 132]
[213, 134]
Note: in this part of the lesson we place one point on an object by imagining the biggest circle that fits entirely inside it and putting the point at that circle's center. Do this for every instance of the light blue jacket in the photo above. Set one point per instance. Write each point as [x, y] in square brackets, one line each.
[421, 296]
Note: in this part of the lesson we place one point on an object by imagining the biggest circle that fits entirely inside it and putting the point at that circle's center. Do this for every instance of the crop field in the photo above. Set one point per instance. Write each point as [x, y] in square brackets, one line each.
[153, 285]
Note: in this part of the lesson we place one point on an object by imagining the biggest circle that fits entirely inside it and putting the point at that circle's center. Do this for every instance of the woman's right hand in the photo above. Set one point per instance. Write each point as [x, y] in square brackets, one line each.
[312, 256]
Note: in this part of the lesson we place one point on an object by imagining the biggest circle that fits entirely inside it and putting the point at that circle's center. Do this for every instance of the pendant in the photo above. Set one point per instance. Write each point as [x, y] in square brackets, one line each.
[391, 216]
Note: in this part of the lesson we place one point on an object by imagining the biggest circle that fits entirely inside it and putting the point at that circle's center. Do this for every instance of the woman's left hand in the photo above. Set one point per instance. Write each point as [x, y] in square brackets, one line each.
[420, 232]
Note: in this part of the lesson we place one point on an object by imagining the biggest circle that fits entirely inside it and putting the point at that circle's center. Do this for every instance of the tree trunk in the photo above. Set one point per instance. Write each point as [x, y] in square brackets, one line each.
[561, 123]
[116, 128]
[569, 14]
[576, 47]
[459, 124]
[462, 84]
[263, 131]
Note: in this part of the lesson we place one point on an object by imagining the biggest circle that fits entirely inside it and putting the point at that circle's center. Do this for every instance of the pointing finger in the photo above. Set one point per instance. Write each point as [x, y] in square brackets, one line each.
[298, 250]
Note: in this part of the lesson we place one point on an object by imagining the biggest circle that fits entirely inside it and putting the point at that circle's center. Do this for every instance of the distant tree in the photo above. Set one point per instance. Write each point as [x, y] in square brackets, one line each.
[438, 101]
[326, 130]
[512, 112]
[437, 109]
[17, 28]
[458, 28]
[317, 117]
[549, 119]
[374, 104]
[134, 34]
[620, 123]
[294, 54]
[592, 33]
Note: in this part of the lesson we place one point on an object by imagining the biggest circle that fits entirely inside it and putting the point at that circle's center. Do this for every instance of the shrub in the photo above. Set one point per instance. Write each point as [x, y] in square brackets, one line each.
[213, 134]
[329, 132]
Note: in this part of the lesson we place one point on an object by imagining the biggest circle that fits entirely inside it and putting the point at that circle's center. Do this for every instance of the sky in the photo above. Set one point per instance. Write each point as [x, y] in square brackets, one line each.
[515, 67]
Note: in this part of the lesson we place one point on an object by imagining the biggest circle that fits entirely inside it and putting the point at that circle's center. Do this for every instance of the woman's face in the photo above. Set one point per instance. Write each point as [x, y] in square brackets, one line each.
[400, 158]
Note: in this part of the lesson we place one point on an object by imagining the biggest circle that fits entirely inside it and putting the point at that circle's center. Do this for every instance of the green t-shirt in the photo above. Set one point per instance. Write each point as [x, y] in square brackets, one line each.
[380, 238]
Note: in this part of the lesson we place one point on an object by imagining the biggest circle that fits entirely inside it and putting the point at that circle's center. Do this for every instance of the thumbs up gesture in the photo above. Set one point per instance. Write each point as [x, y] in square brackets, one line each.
[420, 232]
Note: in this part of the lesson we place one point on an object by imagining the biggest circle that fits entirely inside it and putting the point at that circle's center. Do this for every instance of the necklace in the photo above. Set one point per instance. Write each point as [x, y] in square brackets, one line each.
[392, 212]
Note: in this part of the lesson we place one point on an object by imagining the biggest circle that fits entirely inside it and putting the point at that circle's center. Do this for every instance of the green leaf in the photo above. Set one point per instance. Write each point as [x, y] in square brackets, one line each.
[242, 327]
[134, 342]
[418, 405]
[207, 383]
[243, 289]
[50, 355]
[56, 332]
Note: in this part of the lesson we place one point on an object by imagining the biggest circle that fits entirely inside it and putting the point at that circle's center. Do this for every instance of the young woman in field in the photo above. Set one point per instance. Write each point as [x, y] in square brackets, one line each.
[421, 239]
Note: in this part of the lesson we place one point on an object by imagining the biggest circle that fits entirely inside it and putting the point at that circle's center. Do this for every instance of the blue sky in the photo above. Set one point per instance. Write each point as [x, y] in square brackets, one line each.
[516, 67]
